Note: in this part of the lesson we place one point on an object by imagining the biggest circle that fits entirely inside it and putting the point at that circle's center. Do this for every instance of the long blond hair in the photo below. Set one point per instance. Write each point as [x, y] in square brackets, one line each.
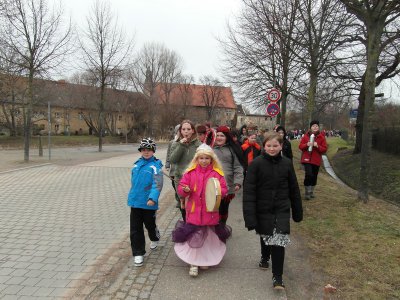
[204, 149]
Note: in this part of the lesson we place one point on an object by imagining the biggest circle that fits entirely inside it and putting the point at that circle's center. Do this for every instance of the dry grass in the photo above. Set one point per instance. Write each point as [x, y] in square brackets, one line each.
[355, 245]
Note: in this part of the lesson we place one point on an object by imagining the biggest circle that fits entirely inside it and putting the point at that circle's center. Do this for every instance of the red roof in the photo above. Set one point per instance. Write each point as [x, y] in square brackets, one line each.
[196, 95]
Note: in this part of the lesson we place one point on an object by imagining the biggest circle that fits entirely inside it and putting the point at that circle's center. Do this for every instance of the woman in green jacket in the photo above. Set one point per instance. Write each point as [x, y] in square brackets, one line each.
[182, 152]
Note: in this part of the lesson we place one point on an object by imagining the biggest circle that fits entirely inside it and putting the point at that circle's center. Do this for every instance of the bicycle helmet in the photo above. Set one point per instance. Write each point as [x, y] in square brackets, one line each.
[147, 143]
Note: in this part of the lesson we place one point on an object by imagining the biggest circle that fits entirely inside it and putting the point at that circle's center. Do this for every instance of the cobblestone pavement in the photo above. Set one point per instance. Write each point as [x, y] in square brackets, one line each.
[64, 233]
[63, 228]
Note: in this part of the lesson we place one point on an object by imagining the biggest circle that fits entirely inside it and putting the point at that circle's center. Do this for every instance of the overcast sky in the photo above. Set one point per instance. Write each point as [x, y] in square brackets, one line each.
[188, 27]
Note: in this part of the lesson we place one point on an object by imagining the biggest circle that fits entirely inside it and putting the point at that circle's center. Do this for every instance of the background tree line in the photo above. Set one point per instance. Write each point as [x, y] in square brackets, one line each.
[322, 54]
[37, 39]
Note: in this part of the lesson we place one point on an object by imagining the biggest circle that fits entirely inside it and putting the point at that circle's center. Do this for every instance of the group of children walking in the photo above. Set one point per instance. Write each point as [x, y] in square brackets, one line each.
[271, 196]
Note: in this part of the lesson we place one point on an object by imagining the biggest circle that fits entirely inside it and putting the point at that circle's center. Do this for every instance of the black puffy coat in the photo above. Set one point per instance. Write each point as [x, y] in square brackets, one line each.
[270, 191]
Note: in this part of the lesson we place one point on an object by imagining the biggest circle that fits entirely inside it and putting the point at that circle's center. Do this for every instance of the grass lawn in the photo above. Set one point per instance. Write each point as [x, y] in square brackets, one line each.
[355, 245]
[7, 142]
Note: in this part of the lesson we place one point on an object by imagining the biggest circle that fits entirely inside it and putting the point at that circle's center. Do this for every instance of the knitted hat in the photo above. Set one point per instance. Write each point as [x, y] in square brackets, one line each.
[147, 143]
[223, 129]
[314, 122]
[204, 149]
[201, 129]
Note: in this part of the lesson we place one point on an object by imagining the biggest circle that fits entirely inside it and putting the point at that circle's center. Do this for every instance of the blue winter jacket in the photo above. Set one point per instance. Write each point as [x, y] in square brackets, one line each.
[146, 183]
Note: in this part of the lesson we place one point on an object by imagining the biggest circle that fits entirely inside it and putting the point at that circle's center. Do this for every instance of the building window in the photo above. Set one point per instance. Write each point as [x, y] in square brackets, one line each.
[57, 115]
[80, 116]
[119, 117]
[67, 116]
[56, 128]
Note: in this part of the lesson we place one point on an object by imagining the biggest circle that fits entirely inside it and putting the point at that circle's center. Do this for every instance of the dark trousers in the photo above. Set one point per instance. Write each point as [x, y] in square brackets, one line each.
[176, 194]
[224, 208]
[177, 198]
[278, 258]
[311, 174]
[265, 250]
[139, 217]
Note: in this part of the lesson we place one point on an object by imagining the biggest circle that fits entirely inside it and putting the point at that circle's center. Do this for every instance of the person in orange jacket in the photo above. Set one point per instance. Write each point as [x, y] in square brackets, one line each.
[250, 150]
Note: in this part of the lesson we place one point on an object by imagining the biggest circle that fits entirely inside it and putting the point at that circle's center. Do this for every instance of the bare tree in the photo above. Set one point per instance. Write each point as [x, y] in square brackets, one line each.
[106, 51]
[374, 15]
[12, 92]
[212, 95]
[321, 33]
[40, 41]
[156, 69]
[257, 57]
[185, 94]
[355, 68]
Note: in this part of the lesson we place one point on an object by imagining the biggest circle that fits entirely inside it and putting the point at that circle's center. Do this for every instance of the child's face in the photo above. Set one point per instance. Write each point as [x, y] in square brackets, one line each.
[201, 137]
[252, 139]
[204, 160]
[272, 147]
[147, 153]
[314, 128]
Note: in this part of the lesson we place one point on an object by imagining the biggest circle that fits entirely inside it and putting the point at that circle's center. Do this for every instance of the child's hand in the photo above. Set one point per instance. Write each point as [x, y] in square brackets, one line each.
[237, 187]
[150, 202]
[186, 189]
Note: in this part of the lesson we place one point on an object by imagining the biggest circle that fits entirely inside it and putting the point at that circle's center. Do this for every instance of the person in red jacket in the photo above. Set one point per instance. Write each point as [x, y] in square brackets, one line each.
[311, 156]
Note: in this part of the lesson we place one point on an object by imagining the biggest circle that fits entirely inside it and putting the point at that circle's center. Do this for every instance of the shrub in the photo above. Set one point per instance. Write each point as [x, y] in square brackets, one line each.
[387, 140]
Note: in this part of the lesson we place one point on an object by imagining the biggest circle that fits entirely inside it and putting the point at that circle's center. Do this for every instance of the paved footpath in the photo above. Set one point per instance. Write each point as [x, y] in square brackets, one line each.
[64, 234]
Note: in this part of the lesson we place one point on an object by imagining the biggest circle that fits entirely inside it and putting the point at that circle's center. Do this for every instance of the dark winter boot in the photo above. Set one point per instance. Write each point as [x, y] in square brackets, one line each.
[312, 191]
[307, 194]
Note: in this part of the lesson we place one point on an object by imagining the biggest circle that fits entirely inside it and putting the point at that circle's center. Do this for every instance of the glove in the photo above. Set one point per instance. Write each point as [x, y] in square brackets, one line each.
[297, 217]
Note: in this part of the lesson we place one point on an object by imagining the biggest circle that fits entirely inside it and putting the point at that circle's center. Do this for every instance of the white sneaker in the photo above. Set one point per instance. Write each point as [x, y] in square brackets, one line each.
[193, 271]
[139, 260]
[153, 245]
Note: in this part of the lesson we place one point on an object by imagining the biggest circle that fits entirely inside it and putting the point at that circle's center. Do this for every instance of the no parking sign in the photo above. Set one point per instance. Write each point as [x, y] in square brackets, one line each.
[273, 109]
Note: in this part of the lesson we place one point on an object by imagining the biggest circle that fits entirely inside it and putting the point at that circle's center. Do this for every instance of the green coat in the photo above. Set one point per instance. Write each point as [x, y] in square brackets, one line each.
[181, 155]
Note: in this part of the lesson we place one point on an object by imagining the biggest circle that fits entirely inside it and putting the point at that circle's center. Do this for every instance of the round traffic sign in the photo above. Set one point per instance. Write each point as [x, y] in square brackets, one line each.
[273, 109]
[274, 95]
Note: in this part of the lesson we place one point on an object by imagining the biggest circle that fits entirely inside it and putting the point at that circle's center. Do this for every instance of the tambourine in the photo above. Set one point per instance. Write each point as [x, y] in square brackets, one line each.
[213, 194]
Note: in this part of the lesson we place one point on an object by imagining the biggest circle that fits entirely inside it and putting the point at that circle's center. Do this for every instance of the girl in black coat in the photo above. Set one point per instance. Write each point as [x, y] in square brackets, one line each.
[286, 146]
[270, 193]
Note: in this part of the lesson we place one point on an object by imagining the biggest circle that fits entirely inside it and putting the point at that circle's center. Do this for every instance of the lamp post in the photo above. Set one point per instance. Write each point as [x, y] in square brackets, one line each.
[49, 125]
[126, 123]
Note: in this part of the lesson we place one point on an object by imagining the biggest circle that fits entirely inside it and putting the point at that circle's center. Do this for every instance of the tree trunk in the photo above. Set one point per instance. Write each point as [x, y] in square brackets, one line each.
[27, 118]
[312, 90]
[101, 118]
[283, 105]
[374, 30]
[360, 118]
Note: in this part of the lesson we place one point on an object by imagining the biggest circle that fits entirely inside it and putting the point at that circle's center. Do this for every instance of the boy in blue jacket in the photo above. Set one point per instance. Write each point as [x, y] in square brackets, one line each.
[147, 182]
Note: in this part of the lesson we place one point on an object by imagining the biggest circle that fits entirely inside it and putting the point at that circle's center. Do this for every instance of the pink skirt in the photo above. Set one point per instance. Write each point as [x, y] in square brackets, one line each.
[209, 254]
